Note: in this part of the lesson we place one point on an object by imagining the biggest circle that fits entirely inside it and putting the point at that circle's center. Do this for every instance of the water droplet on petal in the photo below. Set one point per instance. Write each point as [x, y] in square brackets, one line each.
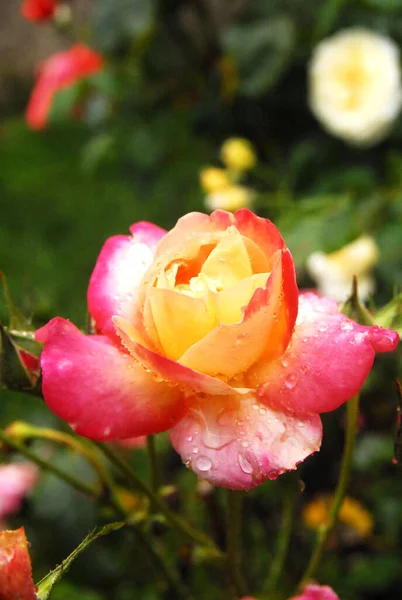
[203, 463]
[190, 438]
[322, 326]
[291, 381]
[245, 464]
[245, 444]
[195, 450]
[346, 326]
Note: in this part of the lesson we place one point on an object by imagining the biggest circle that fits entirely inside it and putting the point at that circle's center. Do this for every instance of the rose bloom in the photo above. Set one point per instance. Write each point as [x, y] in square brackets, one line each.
[334, 272]
[16, 480]
[201, 330]
[15, 567]
[60, 71]
[39, 10]
[316, 592]
[355, 85]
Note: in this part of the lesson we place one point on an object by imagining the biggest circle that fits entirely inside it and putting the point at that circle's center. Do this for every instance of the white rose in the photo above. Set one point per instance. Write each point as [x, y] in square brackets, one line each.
[355, 88]
[334, 272]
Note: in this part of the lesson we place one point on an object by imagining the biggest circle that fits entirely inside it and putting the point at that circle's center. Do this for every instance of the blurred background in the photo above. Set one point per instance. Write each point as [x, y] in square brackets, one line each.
[130, 142]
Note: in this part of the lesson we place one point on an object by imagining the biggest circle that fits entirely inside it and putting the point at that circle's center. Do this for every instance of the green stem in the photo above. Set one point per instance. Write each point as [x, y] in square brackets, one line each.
[291, 494]
[47, 466]
[24, 431]
[112, 500]
[153, 459]
[174, 519]
[233, 541]
[147, 542]
[346, 466]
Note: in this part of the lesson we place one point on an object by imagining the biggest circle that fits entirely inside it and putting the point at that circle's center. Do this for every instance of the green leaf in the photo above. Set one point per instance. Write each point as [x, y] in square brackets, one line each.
[63, 103]
[17, 319]
[390, 315]
[13, 375]
[384, 5]
[261, 51]
[46, 584]
[122, 21]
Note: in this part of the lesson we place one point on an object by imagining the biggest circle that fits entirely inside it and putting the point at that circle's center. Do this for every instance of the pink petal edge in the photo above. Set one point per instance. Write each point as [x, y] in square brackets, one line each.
[238, 443]
[326, 362]
[99, 389]
[119, 269]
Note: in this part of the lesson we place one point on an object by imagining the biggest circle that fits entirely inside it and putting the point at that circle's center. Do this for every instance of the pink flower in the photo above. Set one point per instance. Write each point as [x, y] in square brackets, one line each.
[58, 72]
[16, 480]
[38, 10]
[202, 330]
[316, 592]
[15, 567]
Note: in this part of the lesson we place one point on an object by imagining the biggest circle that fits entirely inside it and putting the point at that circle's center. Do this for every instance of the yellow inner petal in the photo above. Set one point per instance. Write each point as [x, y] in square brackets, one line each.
[190, 299]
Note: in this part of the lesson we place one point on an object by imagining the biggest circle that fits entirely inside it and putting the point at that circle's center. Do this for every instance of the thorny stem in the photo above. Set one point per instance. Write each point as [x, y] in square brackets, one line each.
[291, 494]
[174, 519]
[352, 411]
[112, 500]
[233, 542]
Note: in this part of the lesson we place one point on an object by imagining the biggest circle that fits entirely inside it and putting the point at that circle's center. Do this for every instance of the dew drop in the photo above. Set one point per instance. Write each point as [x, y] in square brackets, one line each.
[195, 450]
[203, 463]
[284, 362]
[190, 438]
[346, 326]
[245, 444]
[322, 326]
[245, 464]
[291, 381]
[262, 411]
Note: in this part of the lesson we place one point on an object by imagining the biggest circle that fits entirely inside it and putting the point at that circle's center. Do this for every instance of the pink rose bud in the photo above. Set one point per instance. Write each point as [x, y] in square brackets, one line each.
[201, 330]
[15, 567]
[316, 592]
[16, 481]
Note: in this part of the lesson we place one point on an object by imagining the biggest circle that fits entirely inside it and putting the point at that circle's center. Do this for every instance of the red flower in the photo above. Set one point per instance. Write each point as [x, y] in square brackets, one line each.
[15, 567]
[58, 72]
[38, 10]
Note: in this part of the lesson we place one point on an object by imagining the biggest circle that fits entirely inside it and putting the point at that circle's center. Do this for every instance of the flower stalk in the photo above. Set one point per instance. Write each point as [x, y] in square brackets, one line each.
[352, 411]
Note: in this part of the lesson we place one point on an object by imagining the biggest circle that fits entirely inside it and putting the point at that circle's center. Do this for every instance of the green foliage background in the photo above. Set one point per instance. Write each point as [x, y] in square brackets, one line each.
[181, 77]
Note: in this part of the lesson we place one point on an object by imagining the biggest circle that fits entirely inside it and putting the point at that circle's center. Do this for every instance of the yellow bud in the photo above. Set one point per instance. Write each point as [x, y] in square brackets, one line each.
[238, 154]
[231, 199]
[213, 180]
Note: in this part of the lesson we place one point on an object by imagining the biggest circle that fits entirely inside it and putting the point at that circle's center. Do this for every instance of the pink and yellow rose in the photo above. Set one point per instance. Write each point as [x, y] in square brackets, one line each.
[202, 330]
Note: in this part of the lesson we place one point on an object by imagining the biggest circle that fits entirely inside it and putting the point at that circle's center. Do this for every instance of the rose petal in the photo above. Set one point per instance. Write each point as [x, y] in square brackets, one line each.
[15, 567]
[180, 320]
[228, 263]
[316, 592]
[265, 328]
[99, 389]
[238, 443]
[326, 363]
[169, 370]
[16, 480]
[261, 231]
[119, 269]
